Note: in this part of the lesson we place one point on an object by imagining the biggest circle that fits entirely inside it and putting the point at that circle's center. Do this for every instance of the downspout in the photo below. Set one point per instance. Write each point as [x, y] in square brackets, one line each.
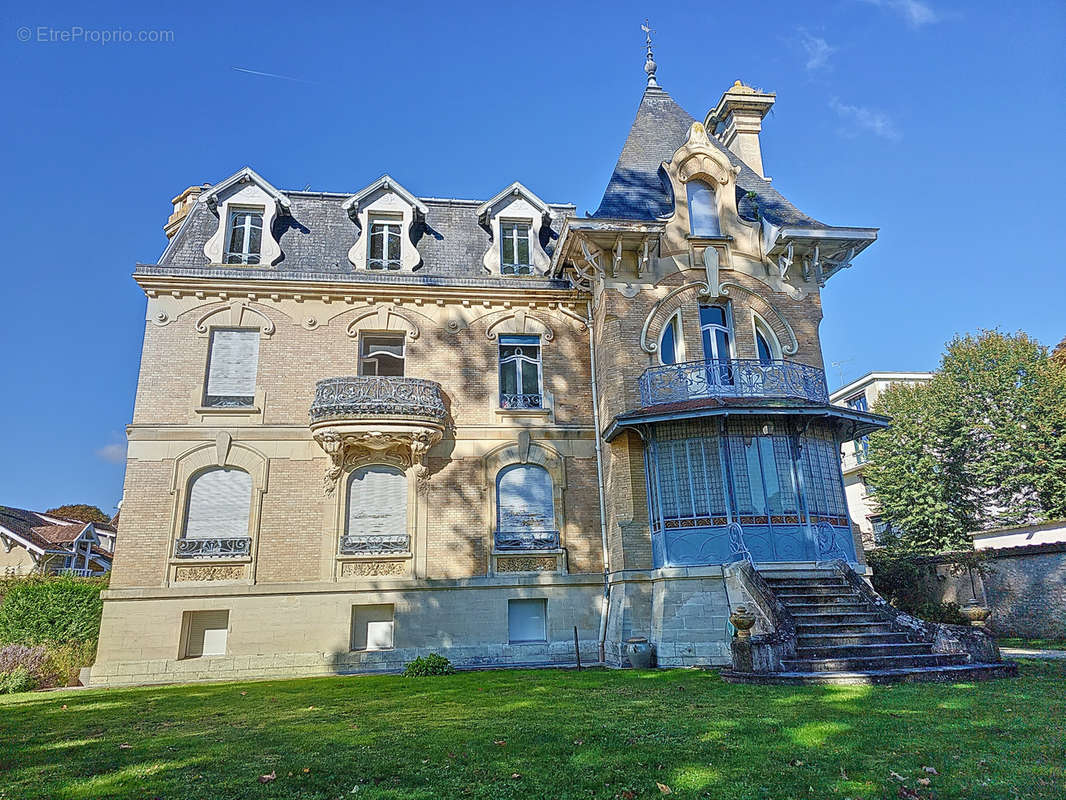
[606, 601]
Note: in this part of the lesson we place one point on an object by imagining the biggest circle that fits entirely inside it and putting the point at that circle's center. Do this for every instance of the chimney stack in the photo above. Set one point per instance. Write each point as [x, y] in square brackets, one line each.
[183, 203]
[737, 121]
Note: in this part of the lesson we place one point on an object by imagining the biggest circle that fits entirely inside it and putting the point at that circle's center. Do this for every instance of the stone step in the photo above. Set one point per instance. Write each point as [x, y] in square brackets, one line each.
[949, 674]
[850, 628]
[828, 608]
[866, 663]
[835, 617]
[812, 587]
[804, 639]
[817, 597]
[816, 651]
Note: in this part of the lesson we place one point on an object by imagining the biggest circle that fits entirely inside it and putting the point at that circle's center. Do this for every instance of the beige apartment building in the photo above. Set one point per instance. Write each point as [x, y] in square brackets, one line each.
[371, 425]
[860, 395]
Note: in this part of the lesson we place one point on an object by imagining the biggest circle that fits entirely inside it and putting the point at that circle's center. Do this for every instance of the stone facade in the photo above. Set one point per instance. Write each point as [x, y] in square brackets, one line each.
[592, 296]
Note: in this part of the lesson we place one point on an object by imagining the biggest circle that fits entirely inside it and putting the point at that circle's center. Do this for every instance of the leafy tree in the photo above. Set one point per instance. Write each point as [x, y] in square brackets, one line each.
[80, 511]
[981, 445]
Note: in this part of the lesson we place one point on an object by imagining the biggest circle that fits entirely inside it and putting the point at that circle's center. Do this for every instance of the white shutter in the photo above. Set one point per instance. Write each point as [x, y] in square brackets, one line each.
[208, 631]
[526, 620]
[377, 502]
[525, 499]
[233, 363]
[219, 503]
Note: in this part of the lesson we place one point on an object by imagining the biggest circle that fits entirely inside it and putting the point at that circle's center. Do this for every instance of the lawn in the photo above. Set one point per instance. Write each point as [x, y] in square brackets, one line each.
[540, 734]
[1035, 644]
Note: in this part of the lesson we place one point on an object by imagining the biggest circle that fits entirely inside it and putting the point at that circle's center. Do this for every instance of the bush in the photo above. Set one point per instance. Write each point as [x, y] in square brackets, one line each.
[33, 658]
[433, 664]
[53, 609]
[17, 680]
[941, 612]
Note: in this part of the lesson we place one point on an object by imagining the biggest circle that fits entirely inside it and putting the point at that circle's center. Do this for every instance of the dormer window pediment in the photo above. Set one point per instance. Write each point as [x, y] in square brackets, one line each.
[386, 214]
[246, 206]
[515, 219]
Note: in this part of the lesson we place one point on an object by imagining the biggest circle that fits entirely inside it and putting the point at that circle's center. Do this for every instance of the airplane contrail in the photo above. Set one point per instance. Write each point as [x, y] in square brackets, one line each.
[271, 75]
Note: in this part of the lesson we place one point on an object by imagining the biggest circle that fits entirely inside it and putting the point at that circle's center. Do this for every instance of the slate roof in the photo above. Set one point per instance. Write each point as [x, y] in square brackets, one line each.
[317, 234]
[636, 190]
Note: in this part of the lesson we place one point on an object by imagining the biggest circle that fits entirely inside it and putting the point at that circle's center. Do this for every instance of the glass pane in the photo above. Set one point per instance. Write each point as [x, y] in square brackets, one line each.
[765, 354]
[509, 378]
[702, 210]
[394, 242]
[389, 365]
[530, 379]
[236, 238]
[255, 236]
[667, 346]
[722, 343]
[392, 345]
[377, 244]
[508, 247]
[712, 315]
[708, 345]
[523, 246]
[256, 221]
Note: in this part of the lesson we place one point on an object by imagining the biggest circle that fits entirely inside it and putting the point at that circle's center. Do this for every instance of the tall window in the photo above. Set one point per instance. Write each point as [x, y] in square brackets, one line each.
[702, 210]
[384, 244]
[377, 511]
[717, 344]
[670, 341]
[245, 237]
[381, 354]
[232, 362]
[217, 514]
[520, 372]
[766, 345]
[862, 444]
[525, 507]
[514, 248]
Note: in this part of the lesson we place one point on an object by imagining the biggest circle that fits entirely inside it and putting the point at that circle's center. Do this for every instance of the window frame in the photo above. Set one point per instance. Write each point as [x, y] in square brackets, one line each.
[521, 363]
[251, 519]
[761, 328]
[243, 256]
[236, 402]
[385, 263]
[673, 323]
[363, 358]
[509, 232]
[345, 532]
[715, 216]
[540, 601]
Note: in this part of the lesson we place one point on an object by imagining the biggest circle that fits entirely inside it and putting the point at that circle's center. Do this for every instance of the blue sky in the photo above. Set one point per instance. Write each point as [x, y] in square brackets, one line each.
[940, 122]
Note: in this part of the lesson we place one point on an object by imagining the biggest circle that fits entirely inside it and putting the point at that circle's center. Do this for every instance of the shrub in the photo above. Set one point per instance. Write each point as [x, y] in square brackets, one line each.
[433, 664]
[941, 612]
[54, 609]
[65, 661]
[17, 680]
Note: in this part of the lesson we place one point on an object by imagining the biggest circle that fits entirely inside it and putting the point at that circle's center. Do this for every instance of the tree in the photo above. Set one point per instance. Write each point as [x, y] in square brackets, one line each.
[80, 511]
[981, 445]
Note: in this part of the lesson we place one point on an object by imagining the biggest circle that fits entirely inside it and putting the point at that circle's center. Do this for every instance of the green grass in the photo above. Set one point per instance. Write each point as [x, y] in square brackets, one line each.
[1035, 644]
[539, 734]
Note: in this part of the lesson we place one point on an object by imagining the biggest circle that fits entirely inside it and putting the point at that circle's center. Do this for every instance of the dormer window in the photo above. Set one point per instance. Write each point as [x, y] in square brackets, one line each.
[514, 248]
[385, 244]
[245, 239]
[702, 210]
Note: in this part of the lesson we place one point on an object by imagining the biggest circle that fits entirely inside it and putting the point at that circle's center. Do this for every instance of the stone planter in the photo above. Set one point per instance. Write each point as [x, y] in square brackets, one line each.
[640, 652]
[977, 614]
[743, 620]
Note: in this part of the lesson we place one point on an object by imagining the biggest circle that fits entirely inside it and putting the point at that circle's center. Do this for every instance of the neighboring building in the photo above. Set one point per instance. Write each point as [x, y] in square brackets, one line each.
[371, 425]
[44, 544]
[1051, 532]
[860, 395]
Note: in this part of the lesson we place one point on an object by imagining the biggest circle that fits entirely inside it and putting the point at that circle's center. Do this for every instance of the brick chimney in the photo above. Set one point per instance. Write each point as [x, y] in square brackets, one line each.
[183, 203]
[737, 121]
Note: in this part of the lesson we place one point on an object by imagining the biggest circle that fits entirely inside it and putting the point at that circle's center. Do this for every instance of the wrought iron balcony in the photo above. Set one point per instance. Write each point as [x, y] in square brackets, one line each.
[377, 396]
[527, 540]
[738, 377]
[375, 543]
[213, 548]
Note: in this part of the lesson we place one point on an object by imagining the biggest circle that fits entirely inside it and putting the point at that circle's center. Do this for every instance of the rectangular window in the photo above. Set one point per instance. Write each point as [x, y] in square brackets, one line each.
[384, 244]
[381, 354]
[527, 620]
[206, 633]
[520, 372]
[862, 444]
[372, 627]
[232, 361]
[514, 248]
[245, 240]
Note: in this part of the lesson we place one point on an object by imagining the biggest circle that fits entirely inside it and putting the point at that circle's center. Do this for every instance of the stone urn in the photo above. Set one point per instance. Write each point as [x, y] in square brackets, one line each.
[976, 614]
[743, 620]
[640, 652]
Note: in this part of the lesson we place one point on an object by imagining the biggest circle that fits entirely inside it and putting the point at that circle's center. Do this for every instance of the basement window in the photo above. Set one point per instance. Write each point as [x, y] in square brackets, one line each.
[206, 633]
[527, 621]
[372, 627]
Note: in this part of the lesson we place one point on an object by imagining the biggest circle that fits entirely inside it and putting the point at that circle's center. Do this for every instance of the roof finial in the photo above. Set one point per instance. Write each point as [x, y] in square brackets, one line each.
[649, 65]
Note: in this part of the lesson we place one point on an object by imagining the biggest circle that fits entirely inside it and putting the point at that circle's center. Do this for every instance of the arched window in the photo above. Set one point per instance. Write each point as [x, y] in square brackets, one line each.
[702, 210]
[670, 344]
[216, 515]
[525, 506]
[377, 511]
[766, 344]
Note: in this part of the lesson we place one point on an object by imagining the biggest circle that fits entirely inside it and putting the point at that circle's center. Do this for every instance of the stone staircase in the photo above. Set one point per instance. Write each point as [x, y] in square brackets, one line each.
[841, 636]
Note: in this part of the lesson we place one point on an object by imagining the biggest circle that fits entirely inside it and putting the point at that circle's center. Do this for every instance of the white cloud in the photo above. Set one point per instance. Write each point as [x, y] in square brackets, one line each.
[867, 119]
[817, 50]
[914, 12]
[112, 453]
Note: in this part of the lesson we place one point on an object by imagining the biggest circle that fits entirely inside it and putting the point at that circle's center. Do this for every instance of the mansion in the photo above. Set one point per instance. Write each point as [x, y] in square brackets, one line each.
[371, 425]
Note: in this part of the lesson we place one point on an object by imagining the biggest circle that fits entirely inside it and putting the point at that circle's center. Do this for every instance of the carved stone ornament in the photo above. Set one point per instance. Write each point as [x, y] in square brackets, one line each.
[221, 572]
[401, 446]
[527, 564]
[372, 569]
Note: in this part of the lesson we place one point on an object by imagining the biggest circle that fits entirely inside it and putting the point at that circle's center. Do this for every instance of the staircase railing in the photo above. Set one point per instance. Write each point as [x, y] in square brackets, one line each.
[763, 652]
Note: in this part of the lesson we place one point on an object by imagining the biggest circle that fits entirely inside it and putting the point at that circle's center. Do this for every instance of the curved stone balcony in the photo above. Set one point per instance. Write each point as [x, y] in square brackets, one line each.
[356, 418]
[729, 378]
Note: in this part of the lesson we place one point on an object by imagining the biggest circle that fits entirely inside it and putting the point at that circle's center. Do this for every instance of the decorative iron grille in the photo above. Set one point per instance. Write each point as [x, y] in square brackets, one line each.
[213, 548]
[521, 401]
[377, 395]
[527, 540]
[384, 543]
[738, 377]
[228, 401]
